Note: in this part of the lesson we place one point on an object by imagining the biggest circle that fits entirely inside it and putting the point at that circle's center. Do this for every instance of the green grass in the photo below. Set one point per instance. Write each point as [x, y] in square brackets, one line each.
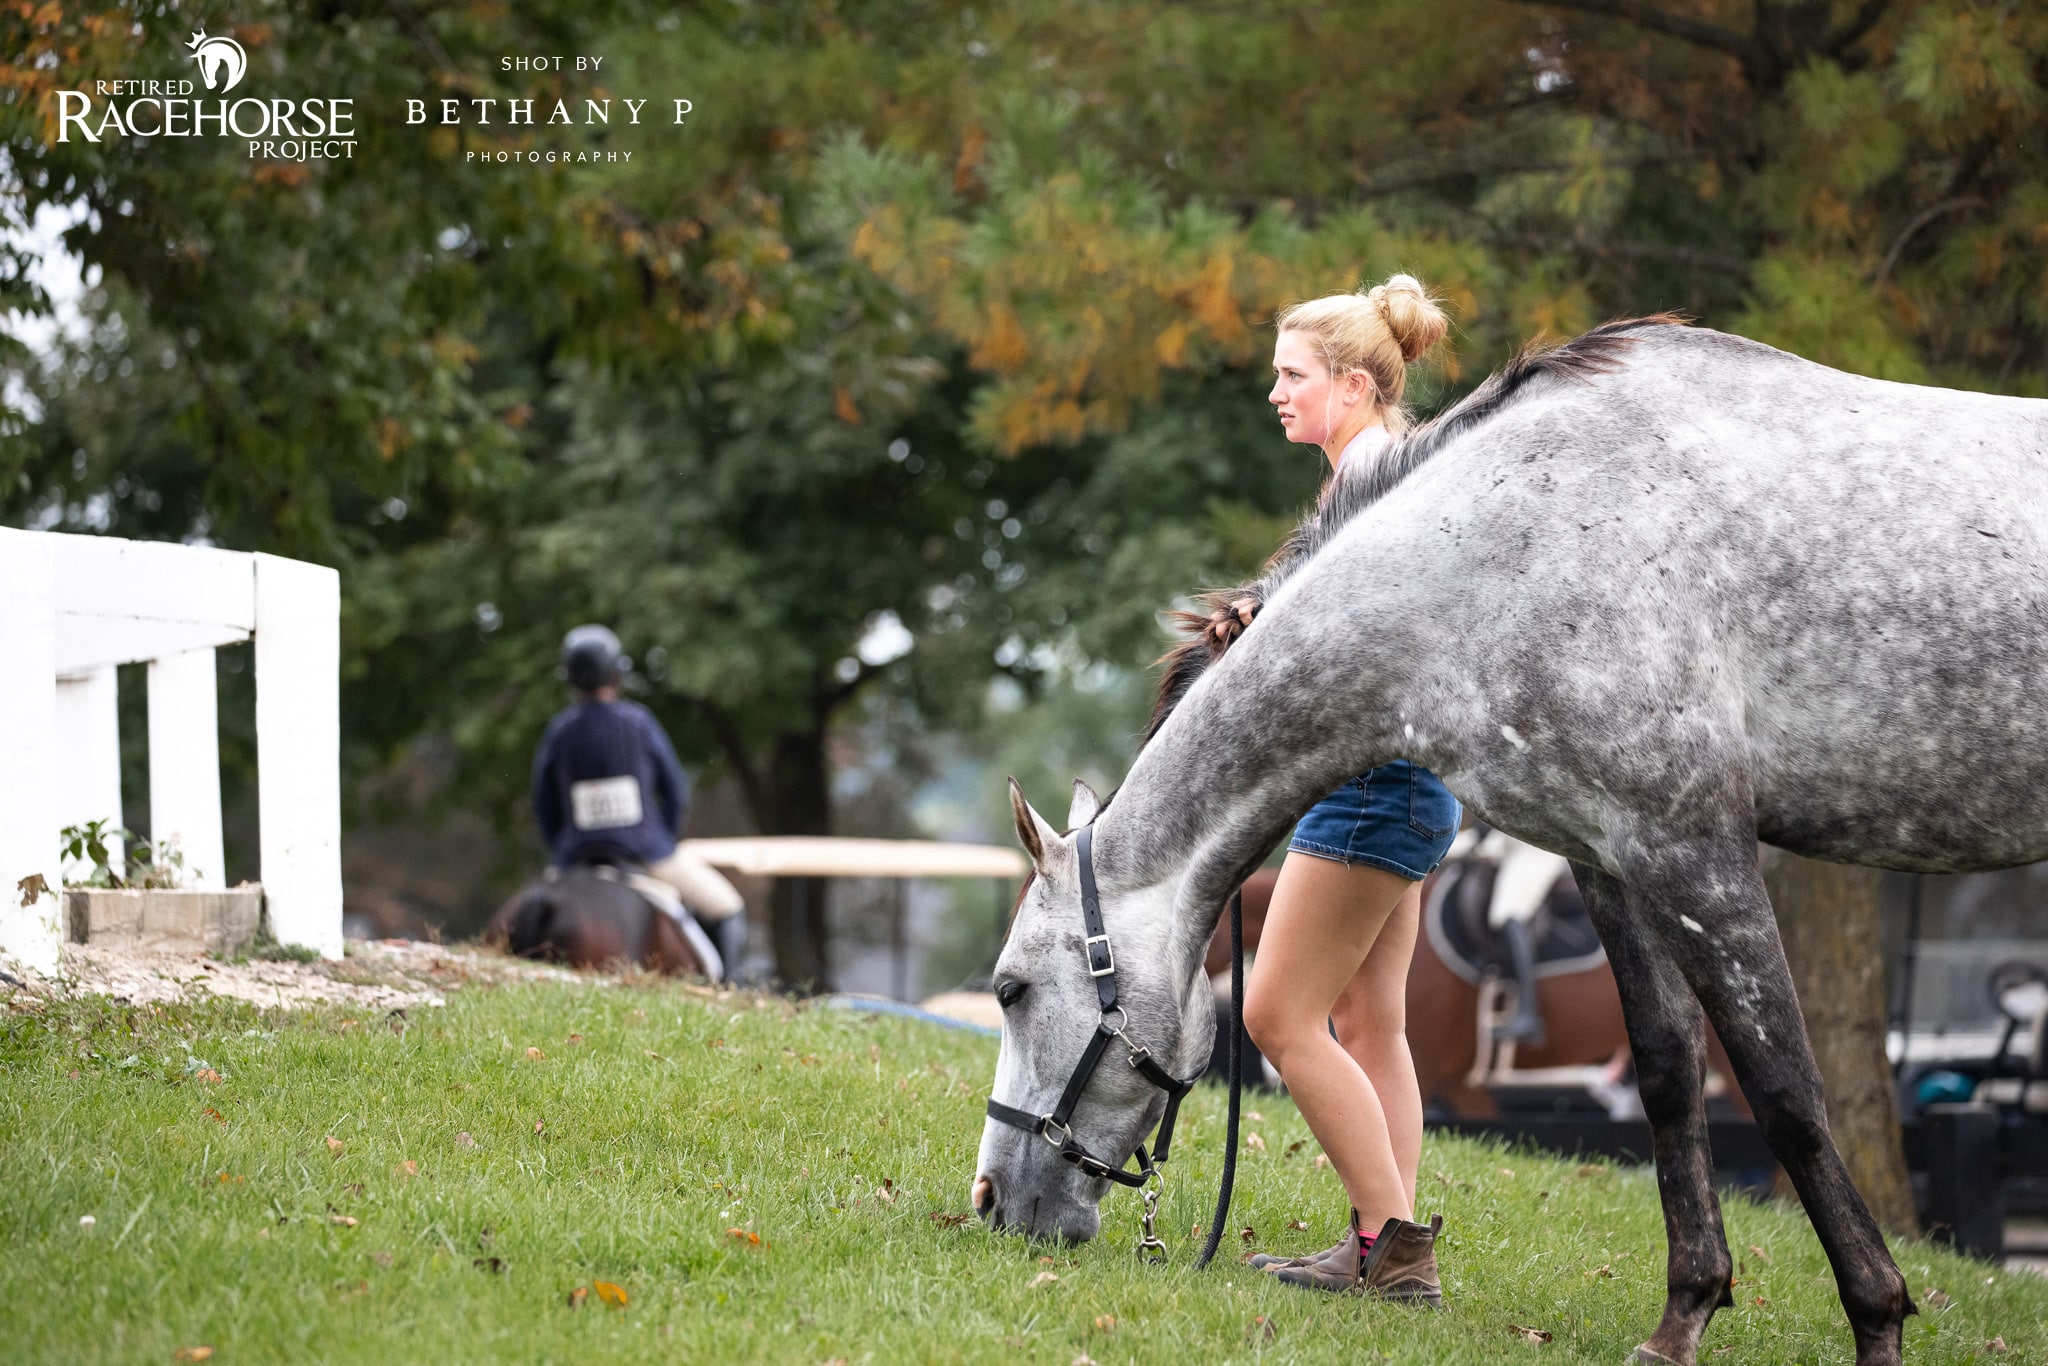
[626, 1154]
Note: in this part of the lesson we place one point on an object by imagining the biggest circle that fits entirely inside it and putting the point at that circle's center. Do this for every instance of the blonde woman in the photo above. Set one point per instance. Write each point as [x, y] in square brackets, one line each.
[1342, 924]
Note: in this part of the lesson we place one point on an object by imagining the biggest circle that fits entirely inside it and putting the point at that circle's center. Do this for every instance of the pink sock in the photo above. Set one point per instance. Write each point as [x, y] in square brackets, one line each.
[1365, 1241]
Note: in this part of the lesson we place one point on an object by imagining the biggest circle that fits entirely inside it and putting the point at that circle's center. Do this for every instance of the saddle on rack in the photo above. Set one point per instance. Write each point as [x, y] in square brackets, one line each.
[1455, 919]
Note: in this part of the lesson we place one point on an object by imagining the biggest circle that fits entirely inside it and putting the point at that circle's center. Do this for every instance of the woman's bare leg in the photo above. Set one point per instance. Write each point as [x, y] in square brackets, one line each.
[1320, 929]
[1371, 1016]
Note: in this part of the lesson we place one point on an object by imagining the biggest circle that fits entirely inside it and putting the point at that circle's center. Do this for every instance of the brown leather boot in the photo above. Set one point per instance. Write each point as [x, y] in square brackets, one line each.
[1401, 1266]
[1266, 1261]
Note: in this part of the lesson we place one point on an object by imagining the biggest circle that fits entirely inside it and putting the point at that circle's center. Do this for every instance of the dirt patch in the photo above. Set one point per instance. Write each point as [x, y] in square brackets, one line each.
[383, 974]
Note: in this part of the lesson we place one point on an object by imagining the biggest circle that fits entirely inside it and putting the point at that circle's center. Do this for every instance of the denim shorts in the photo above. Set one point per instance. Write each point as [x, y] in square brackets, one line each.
[1399, 817]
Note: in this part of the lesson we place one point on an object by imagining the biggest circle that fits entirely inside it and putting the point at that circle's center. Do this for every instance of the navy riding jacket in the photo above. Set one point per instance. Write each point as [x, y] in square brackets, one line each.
[606, 785]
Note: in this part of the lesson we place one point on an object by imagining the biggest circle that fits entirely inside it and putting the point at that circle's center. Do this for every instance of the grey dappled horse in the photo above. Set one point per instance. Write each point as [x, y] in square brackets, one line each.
[1642, 601]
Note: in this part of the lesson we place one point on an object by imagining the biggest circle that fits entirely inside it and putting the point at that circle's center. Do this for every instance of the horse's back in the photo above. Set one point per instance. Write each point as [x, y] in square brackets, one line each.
[1725, 569]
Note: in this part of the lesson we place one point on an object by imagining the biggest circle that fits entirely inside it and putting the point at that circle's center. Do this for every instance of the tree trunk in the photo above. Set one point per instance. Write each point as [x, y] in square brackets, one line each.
[799, 800]
[1827, 916]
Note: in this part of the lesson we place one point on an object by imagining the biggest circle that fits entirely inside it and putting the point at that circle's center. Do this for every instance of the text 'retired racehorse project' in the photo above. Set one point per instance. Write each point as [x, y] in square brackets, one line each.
[1641, 600]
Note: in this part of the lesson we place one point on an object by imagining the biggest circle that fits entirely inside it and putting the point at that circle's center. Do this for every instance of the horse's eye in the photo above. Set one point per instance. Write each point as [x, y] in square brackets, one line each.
[1010, 992]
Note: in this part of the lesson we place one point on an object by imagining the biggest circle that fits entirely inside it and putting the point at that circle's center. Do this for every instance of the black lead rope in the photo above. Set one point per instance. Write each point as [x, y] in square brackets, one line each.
[1236, 1079]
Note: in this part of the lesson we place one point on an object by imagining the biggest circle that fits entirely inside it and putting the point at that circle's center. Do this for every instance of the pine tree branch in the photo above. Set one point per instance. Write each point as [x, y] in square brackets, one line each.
[1912, 229]
[1865, 19]
[1631, 251]
[1694, 31]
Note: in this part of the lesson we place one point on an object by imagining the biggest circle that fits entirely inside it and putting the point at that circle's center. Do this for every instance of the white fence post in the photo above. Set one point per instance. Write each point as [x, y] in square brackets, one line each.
[184, 763]
[89, 772]
[28, 704]
[298, 749]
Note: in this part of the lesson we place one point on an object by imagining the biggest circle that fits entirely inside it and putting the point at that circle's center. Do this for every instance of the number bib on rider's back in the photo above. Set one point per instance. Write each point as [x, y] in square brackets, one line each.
[605, 803]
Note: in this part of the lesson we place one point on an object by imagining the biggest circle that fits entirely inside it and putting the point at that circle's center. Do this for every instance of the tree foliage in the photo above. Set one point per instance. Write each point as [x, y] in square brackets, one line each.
[942, 316]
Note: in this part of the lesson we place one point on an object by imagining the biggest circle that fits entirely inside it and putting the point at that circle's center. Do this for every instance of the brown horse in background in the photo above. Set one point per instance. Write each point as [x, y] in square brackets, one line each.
[585, 919]
[1581, 1013]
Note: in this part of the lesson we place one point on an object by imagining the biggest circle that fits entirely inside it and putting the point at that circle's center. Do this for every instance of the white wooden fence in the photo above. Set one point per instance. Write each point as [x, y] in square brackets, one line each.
[74, 607]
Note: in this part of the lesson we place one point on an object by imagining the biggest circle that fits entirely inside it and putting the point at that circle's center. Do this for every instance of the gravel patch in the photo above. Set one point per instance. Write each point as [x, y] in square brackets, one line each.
[390, 974]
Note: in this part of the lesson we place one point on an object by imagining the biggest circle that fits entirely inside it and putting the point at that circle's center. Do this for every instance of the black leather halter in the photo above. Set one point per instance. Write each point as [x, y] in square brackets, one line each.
[1057, 1127]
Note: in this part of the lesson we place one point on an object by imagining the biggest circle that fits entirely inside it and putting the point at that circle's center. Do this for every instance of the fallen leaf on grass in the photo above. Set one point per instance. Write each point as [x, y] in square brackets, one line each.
[887, 1192]
[192, 1354]
[1535, 1337]
[1602, 1272]
[206, 1075]
[1590, 1169]
[1042, 1280]
[1298, 1225]
[1255, 1142]
[1082, 1360]
[575, 1038]
[609, 1293]
[534, 1054]
[1508, 1172]
[463, 1140]
[538, 1125]
[408, 1169]
[1259, 1330]
[654, 1055]
[1996, 1345]
[741, 1235]
[579, 1296]
[1761, 1301]
[494, 1265]
[1296, 1146]
[345, 1221]
[215, 1115]
[1255, 1117]
[1932, 1298]
[1322, 1161]
[335, 1145]
[1759, 1254]
[1105, 1323]
[1249, 1234]
[944, 1220]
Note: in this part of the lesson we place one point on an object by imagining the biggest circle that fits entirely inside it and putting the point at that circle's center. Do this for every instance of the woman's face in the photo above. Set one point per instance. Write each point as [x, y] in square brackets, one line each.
[1310, 407]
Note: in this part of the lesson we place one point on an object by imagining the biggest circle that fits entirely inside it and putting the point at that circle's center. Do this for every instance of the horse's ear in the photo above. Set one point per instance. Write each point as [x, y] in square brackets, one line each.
[1086, 806]
[1032, 832]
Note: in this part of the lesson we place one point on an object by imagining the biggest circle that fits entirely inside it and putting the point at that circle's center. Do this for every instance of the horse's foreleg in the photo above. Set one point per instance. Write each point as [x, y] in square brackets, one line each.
[1666, 1033]
[1717, 920]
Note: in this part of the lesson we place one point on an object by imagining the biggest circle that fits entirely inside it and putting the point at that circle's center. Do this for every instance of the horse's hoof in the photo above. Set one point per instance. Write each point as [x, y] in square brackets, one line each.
[1646, 1355]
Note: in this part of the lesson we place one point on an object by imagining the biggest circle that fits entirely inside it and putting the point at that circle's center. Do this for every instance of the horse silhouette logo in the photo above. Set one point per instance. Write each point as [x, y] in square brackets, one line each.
[220, 59]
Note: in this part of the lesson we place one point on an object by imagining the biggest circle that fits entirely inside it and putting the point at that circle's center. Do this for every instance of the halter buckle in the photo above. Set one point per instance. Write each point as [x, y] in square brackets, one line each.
[1048, 1124]
[1108, 955]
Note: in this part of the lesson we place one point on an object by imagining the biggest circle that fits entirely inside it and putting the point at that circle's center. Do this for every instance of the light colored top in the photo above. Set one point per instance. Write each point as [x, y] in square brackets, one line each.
[1366, 444]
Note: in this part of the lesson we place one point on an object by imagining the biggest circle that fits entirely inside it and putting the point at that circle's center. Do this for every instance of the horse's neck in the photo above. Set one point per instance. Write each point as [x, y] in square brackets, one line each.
[1217, 787]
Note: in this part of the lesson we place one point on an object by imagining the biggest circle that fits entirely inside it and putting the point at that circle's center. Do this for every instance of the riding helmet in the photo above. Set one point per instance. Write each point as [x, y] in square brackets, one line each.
[591, 658]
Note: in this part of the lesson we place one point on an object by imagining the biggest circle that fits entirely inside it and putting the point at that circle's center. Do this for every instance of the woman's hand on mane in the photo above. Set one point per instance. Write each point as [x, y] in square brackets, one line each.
[1228, 621]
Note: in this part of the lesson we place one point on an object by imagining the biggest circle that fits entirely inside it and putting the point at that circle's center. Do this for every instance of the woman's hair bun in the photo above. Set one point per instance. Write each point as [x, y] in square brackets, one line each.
[1413, 318]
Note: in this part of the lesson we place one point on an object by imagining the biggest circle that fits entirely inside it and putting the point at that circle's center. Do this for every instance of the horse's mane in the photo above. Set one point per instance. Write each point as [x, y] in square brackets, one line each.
[1366, 482]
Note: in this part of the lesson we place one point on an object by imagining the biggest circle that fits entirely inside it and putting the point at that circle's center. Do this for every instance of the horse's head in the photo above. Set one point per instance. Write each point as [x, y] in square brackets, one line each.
[1052, 1011]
